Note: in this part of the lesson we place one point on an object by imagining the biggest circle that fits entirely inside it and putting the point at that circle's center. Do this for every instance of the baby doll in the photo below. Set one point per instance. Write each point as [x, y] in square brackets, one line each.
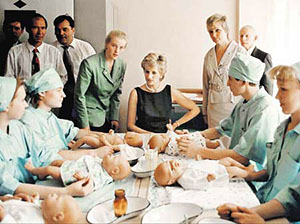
[53, 209]
[168, 142]
[133, 139]
[197, 175]
[102, 171]
[96, 140]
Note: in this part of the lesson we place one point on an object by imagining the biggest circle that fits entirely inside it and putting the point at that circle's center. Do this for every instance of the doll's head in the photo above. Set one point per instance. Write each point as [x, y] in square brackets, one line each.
[116, 166]
[133, 139]
[168, 172]
[159, 141]
[60, 209]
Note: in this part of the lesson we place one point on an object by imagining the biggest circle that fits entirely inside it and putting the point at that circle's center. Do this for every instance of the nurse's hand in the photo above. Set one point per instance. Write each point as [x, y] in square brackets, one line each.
[228, 161]
[187, 147]
[104, 151]
[225, 210]
[235, 171]
[81, 188]
[169, 126]
[246, 215]
[211, 144]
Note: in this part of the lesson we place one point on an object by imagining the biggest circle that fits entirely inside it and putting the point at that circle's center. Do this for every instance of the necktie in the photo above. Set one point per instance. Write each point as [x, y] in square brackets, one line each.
[35, 62]
[68, 64]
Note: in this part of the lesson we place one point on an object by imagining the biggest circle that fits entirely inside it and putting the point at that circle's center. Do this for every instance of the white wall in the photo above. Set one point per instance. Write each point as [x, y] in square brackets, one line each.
[277, 25]
[93, 20]
[49, 9]
[174, 27]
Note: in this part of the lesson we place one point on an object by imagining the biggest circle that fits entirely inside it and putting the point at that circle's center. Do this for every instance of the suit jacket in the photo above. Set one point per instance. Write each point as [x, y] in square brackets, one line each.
[265, 81]
[97, 92]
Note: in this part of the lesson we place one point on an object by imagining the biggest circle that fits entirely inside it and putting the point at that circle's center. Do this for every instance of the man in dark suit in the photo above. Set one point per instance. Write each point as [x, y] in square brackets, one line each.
[12, 29]
[248, 38]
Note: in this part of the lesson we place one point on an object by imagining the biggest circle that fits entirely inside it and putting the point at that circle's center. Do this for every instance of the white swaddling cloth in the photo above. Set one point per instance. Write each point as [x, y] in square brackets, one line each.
[172, 148]
[21, 212]
[86, 166]
[195, 175]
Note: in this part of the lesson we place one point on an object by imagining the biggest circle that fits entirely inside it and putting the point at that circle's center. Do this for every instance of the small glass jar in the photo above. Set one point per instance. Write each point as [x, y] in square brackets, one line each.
[120, 203]
[151, 156]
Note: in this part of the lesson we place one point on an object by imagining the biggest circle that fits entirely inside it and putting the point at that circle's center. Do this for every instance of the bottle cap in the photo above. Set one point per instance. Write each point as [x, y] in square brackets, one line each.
[119, 192]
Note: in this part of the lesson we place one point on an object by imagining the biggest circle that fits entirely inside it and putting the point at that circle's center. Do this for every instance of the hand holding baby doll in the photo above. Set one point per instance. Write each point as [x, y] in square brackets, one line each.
[188, 147]
[236, 169]
[81, 188]
[212, 144]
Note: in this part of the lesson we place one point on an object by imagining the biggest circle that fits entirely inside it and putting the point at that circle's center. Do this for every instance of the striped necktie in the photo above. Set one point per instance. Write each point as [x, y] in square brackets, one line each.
[68, 64]
[35, 62]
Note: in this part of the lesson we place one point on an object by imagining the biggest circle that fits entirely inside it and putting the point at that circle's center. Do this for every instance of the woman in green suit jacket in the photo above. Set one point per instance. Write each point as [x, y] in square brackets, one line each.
[99, 86]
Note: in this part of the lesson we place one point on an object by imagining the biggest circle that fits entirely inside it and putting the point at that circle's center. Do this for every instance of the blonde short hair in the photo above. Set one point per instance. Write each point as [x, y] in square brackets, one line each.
[284, 73]
[218, 18]
[152, 59]
[116, 34]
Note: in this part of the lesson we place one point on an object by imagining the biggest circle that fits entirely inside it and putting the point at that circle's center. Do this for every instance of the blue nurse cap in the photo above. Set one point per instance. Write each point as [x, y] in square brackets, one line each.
[247, 68]
[44, 80]
[7, 90]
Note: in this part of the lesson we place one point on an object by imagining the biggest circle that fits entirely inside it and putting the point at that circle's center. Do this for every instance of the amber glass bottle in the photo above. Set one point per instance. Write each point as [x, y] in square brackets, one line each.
[120, 203]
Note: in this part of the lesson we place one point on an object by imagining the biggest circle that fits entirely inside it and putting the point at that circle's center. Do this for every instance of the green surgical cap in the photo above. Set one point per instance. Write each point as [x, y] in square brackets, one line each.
[44, 80]
[297, 67]
[7, 90]
[246, 68]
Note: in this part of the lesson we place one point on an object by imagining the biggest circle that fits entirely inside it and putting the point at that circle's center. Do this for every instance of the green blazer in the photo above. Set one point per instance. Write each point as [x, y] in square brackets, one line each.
[97, 93]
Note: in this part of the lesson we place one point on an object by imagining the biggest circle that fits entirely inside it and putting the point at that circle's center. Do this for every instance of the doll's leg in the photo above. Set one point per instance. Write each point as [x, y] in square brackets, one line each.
[43, 172]
[76, 144]
[103, 140]
[92, 141]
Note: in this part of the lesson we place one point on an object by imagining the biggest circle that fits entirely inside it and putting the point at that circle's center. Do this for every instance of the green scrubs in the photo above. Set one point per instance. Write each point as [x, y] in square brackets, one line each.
[16, 149]
[53, 131]
[289, 198]
[283, 164]
[251, 125]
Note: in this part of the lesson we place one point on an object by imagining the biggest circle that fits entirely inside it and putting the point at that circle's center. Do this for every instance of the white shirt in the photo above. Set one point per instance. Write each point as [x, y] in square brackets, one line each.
[195, 176]
[78, 51]
[19, 60]
[21, 212]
